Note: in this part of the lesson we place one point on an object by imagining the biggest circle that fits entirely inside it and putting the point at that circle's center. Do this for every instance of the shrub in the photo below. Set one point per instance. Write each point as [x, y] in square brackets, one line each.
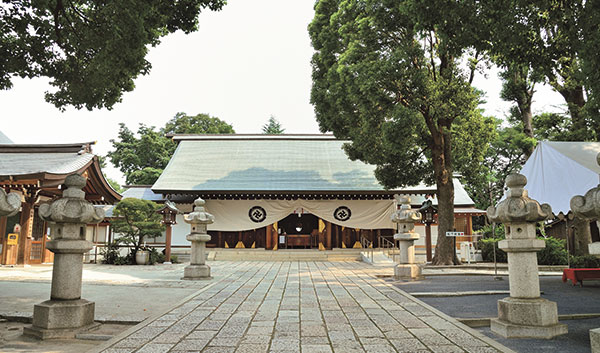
[174, 259]
[111, 253]
[156, 256]
[585, 261]
[487, 250]
[554, 253]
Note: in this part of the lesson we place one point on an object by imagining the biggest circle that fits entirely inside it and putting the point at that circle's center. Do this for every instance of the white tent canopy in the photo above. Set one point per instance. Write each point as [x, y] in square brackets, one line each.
[557, 171]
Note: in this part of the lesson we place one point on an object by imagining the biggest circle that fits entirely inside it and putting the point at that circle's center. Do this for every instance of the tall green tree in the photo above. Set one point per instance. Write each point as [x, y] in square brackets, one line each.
[91, 51]
[546, 38]
[387, 75]
[272, 127]
[196, 124]
[142, 156]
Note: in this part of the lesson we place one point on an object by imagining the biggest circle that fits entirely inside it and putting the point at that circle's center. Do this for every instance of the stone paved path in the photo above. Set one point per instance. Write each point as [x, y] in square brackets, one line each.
[301, 307]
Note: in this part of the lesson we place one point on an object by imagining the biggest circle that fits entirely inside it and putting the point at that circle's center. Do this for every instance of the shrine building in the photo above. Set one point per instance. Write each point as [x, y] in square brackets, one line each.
[285, 191]
[37, 173]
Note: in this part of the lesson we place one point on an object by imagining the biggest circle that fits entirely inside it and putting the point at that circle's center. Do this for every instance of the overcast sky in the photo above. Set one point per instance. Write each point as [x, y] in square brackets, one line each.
[247, 62]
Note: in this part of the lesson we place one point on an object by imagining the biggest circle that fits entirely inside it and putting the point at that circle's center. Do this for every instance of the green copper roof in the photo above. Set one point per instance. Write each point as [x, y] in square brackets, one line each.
[271, 163]
[264, 163]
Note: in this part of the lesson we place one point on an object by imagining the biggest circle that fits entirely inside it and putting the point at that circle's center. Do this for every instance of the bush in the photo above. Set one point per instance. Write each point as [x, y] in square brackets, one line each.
[111, 253]
[585, 261]
[554, 253]
[487, 250]
[174, 259]
[155, 256]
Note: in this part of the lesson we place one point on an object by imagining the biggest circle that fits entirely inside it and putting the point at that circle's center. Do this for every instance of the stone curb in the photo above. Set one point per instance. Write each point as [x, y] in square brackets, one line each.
[473, 332]
[27, 318]
[485, 321]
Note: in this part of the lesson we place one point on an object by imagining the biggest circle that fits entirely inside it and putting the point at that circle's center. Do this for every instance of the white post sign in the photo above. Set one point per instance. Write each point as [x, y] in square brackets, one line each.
[455, 234]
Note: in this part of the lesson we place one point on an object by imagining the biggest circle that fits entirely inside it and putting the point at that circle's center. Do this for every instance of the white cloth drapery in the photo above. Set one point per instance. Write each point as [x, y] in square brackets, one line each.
[233, 215]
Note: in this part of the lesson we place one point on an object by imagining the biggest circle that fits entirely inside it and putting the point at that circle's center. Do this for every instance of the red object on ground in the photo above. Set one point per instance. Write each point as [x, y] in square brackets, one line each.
[579, 274]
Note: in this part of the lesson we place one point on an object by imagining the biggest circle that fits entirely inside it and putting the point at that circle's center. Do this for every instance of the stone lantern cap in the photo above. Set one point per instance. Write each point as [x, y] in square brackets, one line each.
[405, 214]
[518, 207]
[199, 215]
[587, 207]
[72, 207]
[9, 203]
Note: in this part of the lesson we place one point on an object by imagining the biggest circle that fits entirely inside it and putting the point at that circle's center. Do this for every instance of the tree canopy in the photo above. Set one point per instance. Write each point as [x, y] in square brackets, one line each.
[142, 157]
[91, 51]
[272, 127]
[388, 77]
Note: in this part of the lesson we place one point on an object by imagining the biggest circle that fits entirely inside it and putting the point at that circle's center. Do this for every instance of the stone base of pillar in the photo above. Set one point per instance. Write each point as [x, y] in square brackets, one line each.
[595, 340]
[407, 271]
[62, 319]
[527, 318]
[195, 272]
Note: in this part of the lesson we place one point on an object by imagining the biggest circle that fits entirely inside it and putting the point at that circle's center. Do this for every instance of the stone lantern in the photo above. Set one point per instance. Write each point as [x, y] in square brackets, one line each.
[524, 313]
[9, 204]
[587, 207]
[66, 313]
[199, 219]
[405, 217]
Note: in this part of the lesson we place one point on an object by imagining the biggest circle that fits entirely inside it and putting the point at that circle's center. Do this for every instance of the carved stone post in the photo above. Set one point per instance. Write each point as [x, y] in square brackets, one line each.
[406, 218]
[199, 219]
[9, 204]
[588, 208]
[66, 313]
[524, 313]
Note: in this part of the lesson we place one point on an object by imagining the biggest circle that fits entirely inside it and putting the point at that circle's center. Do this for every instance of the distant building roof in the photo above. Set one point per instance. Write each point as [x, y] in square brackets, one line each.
[270, 164]
[47, 165]
[142, 192]
[4, 139]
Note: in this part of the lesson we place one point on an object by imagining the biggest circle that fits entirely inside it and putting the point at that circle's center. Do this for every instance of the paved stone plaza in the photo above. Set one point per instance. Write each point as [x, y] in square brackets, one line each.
[300, 307]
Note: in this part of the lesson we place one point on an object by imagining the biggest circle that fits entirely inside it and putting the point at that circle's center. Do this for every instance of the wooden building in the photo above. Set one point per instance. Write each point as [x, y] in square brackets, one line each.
[283, 191]
[37, 172]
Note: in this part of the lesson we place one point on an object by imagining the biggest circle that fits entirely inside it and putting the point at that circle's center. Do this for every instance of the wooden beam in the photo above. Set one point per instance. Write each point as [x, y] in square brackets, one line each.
[269, 236]
[328, 235]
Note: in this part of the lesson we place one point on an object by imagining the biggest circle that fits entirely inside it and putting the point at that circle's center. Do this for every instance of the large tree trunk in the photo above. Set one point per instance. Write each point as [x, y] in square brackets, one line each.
[445, 253]
[523, 99]
[575, 99]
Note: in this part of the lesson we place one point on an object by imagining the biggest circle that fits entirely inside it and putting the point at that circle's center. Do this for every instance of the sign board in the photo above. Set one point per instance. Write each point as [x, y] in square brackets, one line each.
[12, 239]
[282, 239]
[455, 234]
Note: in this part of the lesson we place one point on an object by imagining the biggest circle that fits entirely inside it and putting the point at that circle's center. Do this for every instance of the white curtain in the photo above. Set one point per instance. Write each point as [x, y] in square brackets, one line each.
[233, 215]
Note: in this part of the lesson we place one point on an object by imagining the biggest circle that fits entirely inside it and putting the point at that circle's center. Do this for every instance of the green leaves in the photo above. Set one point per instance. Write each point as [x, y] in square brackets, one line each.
[136, 220]
[91, 51]
[142, 158]
[272, 127]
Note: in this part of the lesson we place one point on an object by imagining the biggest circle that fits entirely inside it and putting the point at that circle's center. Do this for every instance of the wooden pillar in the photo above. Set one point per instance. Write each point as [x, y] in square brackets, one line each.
[168, 233]
[428, 241]
[3, 240]
[26, 222]
[269, 237]
[328, 235]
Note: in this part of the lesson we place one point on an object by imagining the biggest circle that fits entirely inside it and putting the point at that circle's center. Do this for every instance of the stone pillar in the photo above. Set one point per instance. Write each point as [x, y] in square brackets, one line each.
[199, 219]
[66, 314]
[587, 208]
[406, 218]
[524, 313]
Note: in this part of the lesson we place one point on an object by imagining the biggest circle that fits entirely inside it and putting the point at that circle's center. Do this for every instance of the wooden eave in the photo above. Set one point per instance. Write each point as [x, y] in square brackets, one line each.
[97, 189]
[289, 195]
